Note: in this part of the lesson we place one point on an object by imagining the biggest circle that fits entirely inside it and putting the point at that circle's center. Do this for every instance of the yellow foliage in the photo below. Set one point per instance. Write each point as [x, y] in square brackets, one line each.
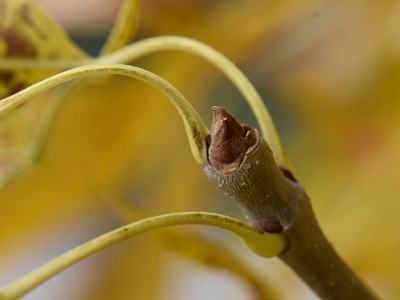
[332, 70]
[27, 32]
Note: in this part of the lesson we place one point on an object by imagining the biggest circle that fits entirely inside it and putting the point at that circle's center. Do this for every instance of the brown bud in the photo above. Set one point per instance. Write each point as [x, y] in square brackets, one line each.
[230, 141]
[268, 225]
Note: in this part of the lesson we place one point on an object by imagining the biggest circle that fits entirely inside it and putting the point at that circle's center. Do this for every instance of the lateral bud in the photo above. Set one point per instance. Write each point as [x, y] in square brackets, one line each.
[268, 225]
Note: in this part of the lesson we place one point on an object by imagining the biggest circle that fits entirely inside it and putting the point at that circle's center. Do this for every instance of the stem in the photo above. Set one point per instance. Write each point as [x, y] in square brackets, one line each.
[266, 245]
[195, 128]
[256, 183]
[193, 246]
[147, 46]
[314, 260]
[274, 201]
[125, 26]
[150, 45]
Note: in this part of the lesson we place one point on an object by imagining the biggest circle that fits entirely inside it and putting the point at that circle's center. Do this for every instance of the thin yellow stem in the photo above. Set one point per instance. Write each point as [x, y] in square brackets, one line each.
[147, 46]
[125, 26]
[150, 45]
[195, 128]
[261, 243]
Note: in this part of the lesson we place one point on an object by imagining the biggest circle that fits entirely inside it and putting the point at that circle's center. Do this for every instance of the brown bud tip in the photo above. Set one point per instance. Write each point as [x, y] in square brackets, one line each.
[268, 225]
[230, 141]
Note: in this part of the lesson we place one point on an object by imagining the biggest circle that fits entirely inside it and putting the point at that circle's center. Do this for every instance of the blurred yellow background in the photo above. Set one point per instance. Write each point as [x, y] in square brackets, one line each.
[329, 71]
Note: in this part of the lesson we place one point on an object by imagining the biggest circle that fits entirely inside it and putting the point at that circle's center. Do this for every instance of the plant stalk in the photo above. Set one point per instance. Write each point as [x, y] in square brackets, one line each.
[274, 201]
[266, 245]
[314, 259]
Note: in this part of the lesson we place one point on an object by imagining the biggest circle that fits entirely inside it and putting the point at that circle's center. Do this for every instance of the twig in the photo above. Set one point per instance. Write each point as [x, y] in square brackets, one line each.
[195, 128]
[263, 244]
[274, 201]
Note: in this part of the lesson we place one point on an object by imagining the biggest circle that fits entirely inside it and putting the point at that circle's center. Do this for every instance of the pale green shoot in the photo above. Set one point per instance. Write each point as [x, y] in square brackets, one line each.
[195, 128]
[150, 45]
[261, 243]
[147, 46]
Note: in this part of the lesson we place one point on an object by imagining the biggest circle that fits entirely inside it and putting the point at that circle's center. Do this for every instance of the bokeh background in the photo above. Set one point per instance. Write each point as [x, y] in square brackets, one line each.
[329, 72]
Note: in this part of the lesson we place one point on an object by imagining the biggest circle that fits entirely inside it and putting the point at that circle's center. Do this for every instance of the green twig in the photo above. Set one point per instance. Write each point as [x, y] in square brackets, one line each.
[263, 244]
[144, 47]
[195, 128]
[162, 43]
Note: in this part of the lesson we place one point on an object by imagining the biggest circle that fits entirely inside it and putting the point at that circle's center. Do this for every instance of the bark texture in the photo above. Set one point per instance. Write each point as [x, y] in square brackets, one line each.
[275, 201]
[314, 259]
[242, 166]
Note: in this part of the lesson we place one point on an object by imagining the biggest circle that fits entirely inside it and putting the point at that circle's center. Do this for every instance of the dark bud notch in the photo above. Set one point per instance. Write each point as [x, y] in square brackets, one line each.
[268, 225]
[230, 141]
[287, 173]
